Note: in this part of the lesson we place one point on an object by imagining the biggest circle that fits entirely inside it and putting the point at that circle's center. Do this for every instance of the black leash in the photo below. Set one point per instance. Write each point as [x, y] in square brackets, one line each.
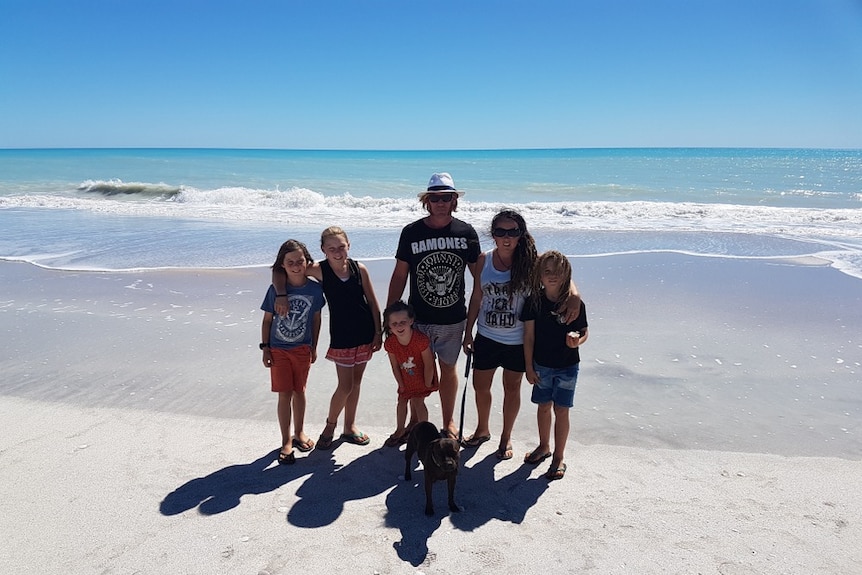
[464, 397]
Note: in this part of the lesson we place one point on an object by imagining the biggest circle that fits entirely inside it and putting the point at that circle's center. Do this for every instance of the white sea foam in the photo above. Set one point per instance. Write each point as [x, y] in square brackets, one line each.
[246, 204]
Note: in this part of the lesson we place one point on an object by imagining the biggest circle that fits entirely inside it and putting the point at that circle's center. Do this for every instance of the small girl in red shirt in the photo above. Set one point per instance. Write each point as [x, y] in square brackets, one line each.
[412, 365]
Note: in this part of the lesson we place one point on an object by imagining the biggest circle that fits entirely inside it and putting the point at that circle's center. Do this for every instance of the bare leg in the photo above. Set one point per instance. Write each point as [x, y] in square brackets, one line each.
[482, 379]
[400, 417]
[352, 402]
[448, 396]
[561, 434]
[511, 405]
[299, 416]
[284, 413]
[543, 418]
[418, 408]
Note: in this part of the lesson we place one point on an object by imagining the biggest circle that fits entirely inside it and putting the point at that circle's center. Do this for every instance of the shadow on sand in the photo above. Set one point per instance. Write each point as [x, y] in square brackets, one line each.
[329, 486]
[480, 496]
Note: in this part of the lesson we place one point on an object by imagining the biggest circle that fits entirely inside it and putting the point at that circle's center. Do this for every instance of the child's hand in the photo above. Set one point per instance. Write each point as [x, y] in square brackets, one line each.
[573, 339]
[532, 376]
[313, 355]
[267, 357]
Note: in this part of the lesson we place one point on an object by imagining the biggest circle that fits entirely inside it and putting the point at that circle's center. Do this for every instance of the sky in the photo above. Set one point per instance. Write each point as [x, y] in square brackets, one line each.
[407, 74]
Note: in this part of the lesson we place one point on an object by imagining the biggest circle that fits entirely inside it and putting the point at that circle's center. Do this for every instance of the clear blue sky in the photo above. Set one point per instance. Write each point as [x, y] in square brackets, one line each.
[406, 74]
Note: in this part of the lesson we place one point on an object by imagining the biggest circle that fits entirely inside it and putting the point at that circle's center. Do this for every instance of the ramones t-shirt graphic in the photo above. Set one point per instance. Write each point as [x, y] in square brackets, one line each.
[437, 260]
[440, 278]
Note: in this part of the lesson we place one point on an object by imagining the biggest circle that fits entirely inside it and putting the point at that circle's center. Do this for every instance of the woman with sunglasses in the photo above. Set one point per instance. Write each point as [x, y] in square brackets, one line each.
[501, 286]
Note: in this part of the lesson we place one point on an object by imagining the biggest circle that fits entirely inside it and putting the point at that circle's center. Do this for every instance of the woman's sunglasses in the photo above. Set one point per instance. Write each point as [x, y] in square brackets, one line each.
[503, 232]
[435, 198]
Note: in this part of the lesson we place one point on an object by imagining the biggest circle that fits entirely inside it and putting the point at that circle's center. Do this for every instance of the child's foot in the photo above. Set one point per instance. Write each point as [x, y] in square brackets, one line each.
[396, 439]
[504, 452]
[476, 440]
[303, 446]
[286, 458]
[357, 438]
[326, 437]
[556, 472]
[536, 456]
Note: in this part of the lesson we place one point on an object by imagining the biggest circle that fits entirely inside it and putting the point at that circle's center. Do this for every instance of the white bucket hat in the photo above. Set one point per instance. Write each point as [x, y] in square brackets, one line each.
[441, 183]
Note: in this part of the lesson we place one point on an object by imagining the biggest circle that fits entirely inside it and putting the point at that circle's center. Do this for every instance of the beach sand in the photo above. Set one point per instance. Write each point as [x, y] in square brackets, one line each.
[716, 429]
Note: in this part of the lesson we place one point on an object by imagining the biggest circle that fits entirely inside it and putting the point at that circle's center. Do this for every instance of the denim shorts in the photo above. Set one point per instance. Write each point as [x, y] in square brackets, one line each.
[555, 384]
[446, 340]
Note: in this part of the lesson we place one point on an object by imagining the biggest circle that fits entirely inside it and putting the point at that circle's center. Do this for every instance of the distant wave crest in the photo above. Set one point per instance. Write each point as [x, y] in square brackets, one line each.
[118, 187]
[304, 207]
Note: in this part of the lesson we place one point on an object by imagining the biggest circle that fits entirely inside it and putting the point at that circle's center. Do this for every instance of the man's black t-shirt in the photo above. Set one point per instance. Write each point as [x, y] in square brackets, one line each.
[437, 259]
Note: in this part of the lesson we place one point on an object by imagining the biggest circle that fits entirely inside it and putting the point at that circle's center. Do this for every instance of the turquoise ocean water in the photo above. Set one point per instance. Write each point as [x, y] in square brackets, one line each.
[119, 209]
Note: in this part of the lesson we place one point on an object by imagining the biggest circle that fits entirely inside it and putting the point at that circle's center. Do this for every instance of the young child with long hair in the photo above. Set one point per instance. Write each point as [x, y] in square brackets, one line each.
[552, 357]
[289, 343]
[354, 330]
[412, 364]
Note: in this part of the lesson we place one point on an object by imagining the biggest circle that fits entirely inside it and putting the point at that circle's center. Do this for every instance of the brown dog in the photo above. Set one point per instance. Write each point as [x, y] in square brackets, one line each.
[439, 457]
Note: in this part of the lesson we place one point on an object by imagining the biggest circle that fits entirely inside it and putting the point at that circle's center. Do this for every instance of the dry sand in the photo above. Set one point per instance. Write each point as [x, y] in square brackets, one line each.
[716, 430]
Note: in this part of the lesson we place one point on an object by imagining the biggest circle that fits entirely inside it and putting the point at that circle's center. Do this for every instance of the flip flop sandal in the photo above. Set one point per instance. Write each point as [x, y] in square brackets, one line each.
[533, 459]
[555, 473]
[324, 442]
[304, 446]
[356, 438]
[286, 458]
[474, 441]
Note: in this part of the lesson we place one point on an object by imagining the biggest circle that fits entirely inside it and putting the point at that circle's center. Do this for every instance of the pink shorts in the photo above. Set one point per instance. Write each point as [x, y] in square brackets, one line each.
[350, 356]
[290, 367]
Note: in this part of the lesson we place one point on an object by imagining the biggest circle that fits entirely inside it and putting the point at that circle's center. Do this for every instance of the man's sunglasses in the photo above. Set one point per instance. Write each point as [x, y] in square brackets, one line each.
[503, 232]
[435, 198]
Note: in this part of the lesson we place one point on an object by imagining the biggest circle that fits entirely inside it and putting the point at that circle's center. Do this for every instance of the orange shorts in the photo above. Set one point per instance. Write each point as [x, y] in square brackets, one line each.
[350, 356]
[290, 367]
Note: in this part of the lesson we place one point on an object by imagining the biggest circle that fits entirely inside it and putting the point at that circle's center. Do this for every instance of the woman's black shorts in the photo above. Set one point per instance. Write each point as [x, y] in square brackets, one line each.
[489, 354]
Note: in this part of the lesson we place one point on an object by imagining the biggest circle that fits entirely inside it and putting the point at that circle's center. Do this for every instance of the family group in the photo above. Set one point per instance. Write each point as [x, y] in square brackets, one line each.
[526, 310]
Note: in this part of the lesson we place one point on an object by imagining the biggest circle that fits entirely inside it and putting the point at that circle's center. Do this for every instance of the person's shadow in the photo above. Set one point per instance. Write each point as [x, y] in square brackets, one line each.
[323, 495]
[479, 495]
[222, 490]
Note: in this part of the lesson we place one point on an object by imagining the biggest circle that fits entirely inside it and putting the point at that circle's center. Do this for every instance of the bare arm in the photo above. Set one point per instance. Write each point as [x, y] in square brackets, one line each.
[396, 370]
[430, 367]
[265, 328]
[398, 281]
[279, 282]
[529, 346]
[368, 288]
[473, 307]
[571, 307]
[315, 334]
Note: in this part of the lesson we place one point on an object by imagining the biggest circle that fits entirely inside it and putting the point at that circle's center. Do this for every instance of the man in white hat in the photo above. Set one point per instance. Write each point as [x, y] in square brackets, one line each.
[433, 253]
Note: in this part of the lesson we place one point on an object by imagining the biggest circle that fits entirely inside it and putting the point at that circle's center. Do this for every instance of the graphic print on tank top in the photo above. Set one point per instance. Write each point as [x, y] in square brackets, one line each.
[498, 308]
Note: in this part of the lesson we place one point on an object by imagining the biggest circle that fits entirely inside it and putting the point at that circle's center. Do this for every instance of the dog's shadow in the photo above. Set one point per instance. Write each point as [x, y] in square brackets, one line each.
[222, 490]
[479, 495]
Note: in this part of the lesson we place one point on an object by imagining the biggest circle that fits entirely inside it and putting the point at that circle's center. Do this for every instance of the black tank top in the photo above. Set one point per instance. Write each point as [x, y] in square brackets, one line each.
[350, 320]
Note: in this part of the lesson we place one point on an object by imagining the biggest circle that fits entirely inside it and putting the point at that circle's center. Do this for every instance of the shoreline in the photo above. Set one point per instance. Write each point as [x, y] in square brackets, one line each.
[684, 352]
[707, 435]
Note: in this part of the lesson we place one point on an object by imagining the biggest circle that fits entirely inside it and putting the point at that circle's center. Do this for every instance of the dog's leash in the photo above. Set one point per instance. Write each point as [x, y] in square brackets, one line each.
[464, 397]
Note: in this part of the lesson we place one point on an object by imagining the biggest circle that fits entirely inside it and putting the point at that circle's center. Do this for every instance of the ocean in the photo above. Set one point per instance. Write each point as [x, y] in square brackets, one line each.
[133, 209]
